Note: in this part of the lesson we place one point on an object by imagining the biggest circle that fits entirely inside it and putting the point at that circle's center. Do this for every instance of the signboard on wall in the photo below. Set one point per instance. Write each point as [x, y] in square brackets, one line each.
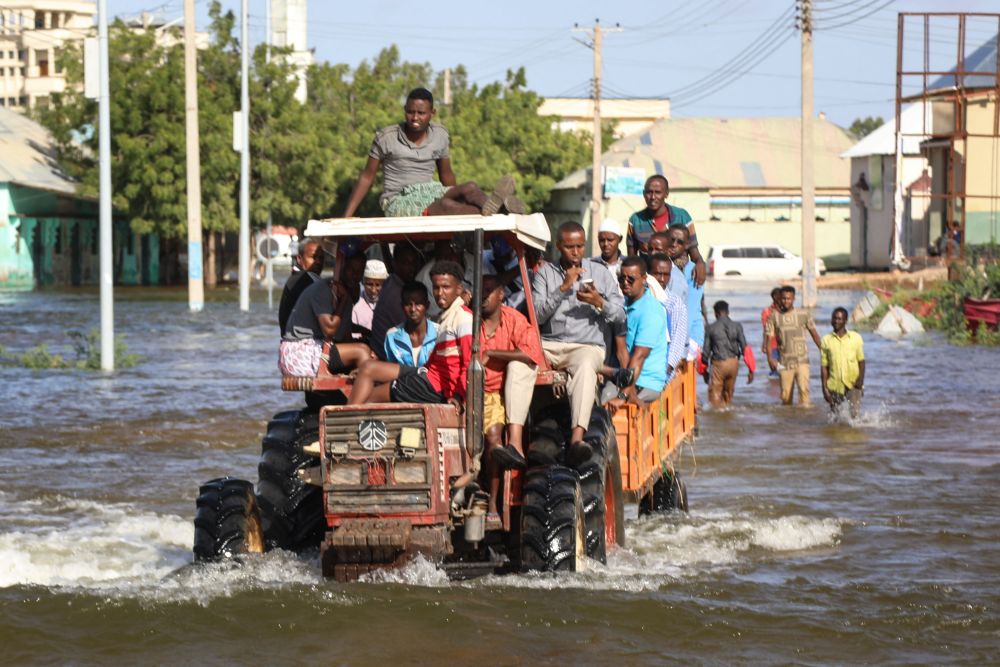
[624, 180]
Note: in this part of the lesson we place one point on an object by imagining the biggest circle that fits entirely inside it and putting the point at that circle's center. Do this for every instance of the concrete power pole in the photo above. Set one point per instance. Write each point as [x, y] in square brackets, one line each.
[245, 157]
[196, 285]
[808, 176]
[104, 207]
[596, 195]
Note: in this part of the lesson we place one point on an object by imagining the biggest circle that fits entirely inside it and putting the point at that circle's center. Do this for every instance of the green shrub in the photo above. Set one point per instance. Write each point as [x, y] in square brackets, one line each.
[88, 354]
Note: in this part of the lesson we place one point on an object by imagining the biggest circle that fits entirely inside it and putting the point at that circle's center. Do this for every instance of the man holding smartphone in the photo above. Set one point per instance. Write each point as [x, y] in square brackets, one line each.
[576, 300]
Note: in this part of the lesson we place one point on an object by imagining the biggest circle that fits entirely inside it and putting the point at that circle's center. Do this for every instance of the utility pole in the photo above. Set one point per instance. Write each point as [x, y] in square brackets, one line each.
[196, 285]
[105, 226]
[269, 276]
[447, 85]
[245, 157]
[808, 176]
[596, 194]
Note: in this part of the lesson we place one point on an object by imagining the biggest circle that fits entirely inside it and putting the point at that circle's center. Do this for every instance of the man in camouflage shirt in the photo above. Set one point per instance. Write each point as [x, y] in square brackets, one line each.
[789, 326]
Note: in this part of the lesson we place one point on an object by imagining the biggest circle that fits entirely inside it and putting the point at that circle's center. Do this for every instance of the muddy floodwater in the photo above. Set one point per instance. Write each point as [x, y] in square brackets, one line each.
[808, 542]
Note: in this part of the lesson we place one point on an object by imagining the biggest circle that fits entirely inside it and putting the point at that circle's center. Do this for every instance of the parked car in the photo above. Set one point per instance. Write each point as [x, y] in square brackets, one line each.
[757, 261]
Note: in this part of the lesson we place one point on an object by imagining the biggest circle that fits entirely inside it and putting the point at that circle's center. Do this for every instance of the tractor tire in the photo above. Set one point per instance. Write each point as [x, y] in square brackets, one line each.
[552, 522]
[227, 522]
[601, 486]
[291, 509]
[668, 494]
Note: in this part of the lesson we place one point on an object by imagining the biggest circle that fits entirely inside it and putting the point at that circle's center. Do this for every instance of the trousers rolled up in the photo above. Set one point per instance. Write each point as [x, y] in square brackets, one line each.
[518, 388]
[795, 376]
[582, 362]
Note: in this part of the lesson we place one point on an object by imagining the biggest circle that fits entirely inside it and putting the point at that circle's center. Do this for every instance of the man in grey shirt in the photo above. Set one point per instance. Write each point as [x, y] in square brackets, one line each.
[576, 300]
[724, 345]
[408, 154]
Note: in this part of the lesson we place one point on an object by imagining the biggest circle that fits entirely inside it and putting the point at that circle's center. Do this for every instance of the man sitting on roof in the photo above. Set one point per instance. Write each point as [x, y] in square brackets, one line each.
[444, 377]
[408, 154]
[322, 313]
[411, 342]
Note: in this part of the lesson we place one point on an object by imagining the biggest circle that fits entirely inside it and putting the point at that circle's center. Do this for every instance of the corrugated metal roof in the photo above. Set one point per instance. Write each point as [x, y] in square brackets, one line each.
[696, 153]
[980, 69]
[28, 155]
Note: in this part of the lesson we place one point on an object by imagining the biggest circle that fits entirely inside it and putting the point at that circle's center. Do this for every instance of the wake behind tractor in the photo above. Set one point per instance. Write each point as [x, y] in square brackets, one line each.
[374, 485]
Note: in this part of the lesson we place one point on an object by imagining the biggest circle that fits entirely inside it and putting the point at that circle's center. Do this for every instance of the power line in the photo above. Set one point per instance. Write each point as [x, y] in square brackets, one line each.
[820, 26]
[765, 44]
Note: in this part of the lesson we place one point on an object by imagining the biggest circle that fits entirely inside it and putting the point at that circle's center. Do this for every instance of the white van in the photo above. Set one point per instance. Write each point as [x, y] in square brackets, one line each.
[757, 261]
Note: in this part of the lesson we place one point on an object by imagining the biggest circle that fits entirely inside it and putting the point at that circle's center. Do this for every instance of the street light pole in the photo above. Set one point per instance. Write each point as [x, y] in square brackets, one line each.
[245, 157]
[104, 157]
[196, 285]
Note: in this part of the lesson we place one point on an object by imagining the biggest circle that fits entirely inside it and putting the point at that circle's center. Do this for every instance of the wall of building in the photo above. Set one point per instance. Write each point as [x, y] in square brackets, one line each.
[48, 239]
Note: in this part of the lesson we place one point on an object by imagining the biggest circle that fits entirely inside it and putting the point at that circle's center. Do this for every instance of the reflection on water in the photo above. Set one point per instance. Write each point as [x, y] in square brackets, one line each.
[812, 538]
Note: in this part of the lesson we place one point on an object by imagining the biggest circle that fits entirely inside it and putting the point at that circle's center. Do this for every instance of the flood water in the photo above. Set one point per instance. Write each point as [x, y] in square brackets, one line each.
[808, 542]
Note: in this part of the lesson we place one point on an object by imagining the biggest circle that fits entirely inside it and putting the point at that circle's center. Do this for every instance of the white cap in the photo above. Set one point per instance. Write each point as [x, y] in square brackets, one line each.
[610, 225]
[375, 268]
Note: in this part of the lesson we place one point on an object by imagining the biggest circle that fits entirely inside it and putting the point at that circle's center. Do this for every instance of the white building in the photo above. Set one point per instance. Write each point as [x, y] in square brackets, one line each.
[31, 37]
[289, 28]
[873, 188]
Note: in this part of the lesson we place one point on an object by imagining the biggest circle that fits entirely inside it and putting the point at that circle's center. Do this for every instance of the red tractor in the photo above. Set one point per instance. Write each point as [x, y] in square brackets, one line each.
[374, 485]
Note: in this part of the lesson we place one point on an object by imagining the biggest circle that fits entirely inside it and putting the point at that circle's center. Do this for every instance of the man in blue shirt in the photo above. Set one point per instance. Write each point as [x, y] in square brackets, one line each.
[646, 338]
[410, 343]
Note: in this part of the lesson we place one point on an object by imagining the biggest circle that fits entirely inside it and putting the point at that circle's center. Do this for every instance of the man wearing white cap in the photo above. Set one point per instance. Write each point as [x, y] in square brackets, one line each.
[364, 310]
[609, 238]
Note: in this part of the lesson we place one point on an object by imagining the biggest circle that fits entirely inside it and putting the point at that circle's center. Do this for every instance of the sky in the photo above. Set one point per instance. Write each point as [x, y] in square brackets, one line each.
[729, 58]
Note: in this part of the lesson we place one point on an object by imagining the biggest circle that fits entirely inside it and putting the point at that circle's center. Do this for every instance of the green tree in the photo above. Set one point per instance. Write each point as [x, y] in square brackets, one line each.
[862, 127]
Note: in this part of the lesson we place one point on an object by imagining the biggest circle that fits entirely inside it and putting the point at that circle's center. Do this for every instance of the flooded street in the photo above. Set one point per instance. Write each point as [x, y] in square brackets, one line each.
[808, 541]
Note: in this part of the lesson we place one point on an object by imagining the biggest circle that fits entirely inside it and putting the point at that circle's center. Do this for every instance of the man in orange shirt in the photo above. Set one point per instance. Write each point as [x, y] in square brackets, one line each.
[511, 354]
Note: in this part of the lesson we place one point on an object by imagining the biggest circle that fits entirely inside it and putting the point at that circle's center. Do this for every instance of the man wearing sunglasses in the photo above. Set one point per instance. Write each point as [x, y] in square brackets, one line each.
[646, 339]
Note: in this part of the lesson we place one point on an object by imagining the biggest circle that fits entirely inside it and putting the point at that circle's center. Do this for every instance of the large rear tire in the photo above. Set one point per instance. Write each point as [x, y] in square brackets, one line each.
[668, 494]
[227, 523]
[601, 485]
[552, 523]
[291, 509]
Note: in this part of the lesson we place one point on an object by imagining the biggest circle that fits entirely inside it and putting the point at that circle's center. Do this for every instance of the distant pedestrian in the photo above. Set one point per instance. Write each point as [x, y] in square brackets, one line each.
[724, 345]
[789, 326]
[770, 345]
[842, 364]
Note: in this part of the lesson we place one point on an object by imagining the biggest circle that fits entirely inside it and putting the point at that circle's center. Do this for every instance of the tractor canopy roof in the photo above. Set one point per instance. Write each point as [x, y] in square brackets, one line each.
[531, 229]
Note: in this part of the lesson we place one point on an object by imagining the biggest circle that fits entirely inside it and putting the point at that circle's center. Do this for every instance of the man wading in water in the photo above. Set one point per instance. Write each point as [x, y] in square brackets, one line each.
[789, 326]
[842, 365]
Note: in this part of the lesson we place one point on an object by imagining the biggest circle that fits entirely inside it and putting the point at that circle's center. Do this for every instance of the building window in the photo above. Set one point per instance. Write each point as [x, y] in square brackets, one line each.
[43, 65]
[39, 20]
[57, 249]
[22, 101]
[23, 69]
[22, 55]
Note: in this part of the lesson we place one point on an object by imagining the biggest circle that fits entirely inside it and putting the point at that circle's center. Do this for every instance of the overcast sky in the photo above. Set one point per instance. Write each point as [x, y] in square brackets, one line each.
[673, 48]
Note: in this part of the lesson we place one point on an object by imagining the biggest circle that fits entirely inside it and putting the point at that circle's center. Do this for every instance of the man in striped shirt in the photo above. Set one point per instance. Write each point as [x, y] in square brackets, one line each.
[443, 378]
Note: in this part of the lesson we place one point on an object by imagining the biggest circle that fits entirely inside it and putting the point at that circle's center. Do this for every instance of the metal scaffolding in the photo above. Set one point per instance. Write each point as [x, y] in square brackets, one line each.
[956, 82]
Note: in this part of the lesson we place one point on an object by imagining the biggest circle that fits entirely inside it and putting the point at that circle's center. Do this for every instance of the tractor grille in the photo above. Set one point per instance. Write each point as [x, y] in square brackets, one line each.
[341, 428]
[365, 477]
